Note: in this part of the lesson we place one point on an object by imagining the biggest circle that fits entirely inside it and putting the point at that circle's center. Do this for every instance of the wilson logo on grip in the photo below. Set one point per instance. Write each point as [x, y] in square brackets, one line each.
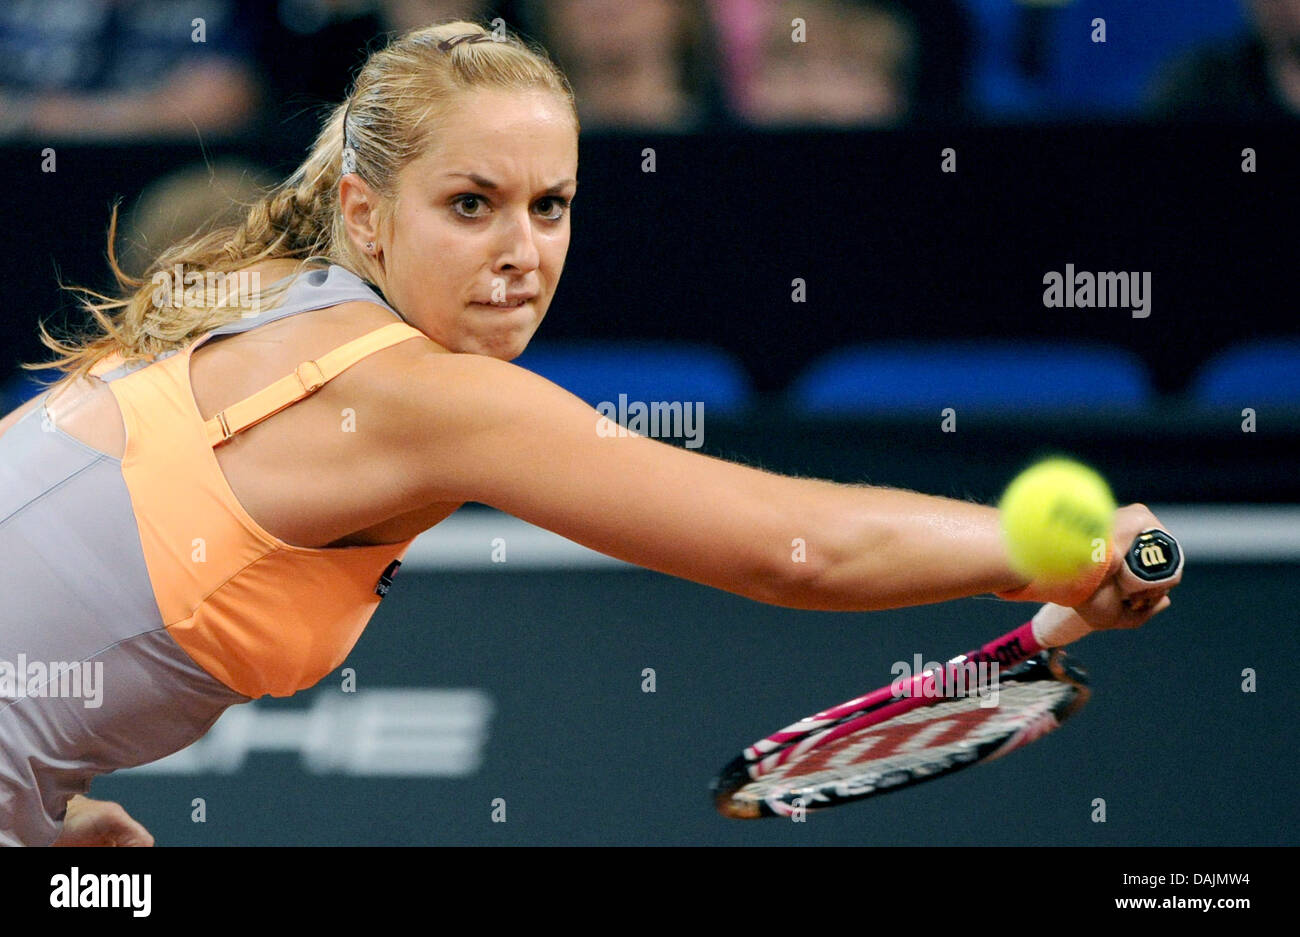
[1154, 555]
[1151, 555]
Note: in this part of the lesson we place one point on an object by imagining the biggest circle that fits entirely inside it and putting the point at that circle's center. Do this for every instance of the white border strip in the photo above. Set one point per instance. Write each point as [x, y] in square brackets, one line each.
[1234, 533]
[467, 540]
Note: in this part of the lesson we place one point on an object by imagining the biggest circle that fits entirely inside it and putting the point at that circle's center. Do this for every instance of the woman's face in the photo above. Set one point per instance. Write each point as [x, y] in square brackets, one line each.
[481, 221]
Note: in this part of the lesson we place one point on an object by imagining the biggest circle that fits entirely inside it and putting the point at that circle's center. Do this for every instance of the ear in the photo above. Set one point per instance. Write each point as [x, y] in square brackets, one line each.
[359, 205]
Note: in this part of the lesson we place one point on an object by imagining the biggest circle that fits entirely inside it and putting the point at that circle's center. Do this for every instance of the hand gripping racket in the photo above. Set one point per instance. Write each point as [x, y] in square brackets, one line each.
[926, 726]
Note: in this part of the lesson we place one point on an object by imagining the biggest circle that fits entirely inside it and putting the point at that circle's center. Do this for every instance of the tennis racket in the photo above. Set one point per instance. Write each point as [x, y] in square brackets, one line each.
[929, 725]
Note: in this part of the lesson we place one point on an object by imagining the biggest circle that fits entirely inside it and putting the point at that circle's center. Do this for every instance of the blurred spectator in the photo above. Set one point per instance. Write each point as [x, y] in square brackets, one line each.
[643, 64]
[1256, 77]
[860, 63]
[118, 70]
[184, 202]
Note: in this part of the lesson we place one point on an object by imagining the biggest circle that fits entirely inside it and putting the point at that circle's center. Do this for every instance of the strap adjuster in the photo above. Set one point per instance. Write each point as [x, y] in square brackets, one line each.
[312, 383]
[225, 427]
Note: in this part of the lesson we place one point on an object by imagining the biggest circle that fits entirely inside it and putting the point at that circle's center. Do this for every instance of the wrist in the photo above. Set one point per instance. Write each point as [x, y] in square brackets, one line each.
[1067, 594]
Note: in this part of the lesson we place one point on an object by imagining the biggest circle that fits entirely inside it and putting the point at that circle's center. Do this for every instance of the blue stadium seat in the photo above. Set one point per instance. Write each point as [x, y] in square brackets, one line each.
[1249, 374]
[599, 371]
[1080, 76]
[18, 389]
[986, 376]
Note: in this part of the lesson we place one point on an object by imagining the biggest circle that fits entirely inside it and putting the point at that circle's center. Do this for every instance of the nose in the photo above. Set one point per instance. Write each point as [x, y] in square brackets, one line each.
[518, 250]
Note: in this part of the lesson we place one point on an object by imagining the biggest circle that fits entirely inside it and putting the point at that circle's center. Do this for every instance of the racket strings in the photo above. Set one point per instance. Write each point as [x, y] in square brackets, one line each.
[927, 740]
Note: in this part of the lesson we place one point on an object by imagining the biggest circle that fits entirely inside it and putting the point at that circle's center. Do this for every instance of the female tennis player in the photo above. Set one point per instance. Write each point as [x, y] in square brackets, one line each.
[208, 505]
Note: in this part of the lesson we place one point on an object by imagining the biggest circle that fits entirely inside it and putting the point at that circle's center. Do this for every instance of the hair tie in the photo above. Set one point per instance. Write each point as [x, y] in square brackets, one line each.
[448, 44]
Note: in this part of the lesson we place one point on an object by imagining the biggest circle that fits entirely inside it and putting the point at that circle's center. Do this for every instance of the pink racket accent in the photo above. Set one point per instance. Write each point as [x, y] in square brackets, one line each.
[776, 749]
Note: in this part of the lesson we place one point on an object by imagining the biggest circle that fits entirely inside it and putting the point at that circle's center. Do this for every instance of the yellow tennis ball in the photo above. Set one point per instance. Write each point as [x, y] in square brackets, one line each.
[1056, 517]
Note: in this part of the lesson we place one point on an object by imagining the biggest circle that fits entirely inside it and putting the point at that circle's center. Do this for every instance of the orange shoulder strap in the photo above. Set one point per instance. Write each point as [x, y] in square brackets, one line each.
[308, 377]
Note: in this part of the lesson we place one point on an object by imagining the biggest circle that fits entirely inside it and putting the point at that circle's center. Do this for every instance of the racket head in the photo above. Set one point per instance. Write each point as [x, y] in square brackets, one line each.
[921, 744]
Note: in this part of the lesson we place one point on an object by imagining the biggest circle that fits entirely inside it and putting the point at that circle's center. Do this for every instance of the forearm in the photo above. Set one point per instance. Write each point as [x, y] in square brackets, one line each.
[505, 437]
[890, 548]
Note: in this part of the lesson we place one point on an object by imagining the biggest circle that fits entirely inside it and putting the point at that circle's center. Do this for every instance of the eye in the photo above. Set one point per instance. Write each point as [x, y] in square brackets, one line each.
[562, 206]
[461, 199]
[559, 206]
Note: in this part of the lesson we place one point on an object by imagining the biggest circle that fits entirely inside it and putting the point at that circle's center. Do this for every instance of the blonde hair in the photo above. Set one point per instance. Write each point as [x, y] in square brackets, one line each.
[398, 102]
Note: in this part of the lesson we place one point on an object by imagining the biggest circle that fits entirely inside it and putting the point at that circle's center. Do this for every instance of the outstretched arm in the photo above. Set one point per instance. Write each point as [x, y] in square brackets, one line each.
[472, 428]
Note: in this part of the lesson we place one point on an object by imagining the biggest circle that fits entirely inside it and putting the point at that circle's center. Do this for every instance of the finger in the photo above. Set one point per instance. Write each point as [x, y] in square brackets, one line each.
[125, 830]
[1130, 583]
[133, 834]
[1141, 618]
[1144, 600]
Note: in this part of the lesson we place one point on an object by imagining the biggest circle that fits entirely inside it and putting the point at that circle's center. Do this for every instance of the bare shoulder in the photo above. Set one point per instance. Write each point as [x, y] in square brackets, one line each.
[440, 407]
[425, 384]
[384, 370]
[295, 472]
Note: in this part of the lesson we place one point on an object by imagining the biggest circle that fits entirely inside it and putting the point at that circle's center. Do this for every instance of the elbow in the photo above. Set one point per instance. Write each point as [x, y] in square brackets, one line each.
[847, 571]
[797, 577]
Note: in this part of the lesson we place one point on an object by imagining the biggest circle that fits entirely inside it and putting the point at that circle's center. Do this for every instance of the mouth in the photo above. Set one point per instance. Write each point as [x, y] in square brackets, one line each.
[515, 304]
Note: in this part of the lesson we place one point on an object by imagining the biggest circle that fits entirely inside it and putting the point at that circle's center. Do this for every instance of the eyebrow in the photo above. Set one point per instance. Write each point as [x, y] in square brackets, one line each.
[489, 184]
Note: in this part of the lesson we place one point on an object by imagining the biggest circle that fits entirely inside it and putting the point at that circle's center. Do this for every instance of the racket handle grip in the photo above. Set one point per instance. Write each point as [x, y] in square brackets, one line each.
[1153, 557]
[1057, 626]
